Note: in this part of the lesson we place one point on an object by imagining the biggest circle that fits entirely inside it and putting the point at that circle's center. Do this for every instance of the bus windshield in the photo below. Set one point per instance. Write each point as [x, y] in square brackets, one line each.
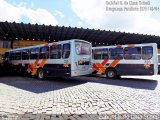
[83, 48]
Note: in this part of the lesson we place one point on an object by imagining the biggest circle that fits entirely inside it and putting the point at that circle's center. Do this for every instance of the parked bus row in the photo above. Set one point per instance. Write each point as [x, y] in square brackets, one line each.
[78, 57]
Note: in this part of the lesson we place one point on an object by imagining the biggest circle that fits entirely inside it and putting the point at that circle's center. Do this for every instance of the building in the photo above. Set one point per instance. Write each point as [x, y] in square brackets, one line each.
[15, 35]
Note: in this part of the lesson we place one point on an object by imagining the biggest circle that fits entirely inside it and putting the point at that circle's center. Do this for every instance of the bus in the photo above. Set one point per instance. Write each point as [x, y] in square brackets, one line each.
[1, 59]
[158, 63]
[1, 64]
[64, 58]
[133, 59]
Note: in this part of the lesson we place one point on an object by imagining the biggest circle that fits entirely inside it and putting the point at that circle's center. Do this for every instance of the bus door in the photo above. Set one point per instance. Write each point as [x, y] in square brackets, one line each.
[82, 58]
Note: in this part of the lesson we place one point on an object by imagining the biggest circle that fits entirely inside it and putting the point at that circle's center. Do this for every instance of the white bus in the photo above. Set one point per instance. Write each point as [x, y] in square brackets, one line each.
[136, 59]
[158, 63]
[65, 58]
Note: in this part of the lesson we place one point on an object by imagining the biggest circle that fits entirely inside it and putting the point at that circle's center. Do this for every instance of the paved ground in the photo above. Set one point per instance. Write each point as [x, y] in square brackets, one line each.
[79, 98]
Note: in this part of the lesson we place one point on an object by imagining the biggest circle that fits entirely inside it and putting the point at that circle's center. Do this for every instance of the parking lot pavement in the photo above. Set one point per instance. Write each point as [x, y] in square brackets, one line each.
[78, 98]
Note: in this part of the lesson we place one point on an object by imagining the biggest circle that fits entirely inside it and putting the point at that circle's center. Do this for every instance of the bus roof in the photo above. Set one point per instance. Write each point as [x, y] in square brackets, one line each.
[144, 44]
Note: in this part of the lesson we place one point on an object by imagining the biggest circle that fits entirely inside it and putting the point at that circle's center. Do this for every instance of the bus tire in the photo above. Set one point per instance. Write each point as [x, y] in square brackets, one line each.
[40, 74]
[111, 73]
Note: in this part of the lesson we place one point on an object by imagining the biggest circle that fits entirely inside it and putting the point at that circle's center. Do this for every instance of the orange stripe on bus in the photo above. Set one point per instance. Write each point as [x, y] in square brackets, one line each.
[32, 67]
[119, 46]
[104, 62]
[99, 72]
[42, 63]
[36, 61]
[131, 45]
[95, 67]
[46, 45]
[114, 63]
[100, 67]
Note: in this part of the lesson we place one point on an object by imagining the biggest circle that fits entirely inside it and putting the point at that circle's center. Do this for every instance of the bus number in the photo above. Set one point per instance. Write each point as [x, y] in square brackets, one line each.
[147, 62]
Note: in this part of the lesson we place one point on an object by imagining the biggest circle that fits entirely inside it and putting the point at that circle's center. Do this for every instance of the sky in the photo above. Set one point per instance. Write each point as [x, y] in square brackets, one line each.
[80, 13]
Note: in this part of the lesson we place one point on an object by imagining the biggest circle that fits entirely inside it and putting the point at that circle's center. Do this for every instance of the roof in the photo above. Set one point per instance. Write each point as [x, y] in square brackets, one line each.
[20, 31]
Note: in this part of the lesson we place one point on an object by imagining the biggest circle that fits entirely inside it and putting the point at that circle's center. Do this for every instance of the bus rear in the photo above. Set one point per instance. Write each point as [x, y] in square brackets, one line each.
[81, 58]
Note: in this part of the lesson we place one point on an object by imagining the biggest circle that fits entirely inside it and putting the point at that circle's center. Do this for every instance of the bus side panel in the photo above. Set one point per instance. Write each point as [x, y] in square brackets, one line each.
[72, 56]
[135, 69]
[156, 66]
[59, 70]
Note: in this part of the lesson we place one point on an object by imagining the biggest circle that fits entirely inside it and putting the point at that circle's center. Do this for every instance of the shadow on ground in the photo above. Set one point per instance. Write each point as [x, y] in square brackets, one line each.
[125, 82]
[34, 85]
[31, 84]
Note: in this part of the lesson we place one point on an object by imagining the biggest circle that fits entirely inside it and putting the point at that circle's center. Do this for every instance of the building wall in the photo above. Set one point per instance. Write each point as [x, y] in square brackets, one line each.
[19, 44]
[4, 45]
[24, 43]
[2, 50]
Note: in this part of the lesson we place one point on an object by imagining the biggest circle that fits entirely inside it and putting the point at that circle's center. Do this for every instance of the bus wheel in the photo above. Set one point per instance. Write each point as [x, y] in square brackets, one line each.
[111, 73]
[40, 74]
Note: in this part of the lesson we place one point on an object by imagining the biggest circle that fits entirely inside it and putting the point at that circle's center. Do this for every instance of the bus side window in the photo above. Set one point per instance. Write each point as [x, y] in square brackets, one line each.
[55, 52]
[97, 54]
[13, 55]
[116, 53]
[25, 54]
[34, 53]
[44, 52]
[92, 54]
[105, 53]
[59, 51]
[17, 55]
[132, 53]
[66, 50]
[147, 52]
[158, 58]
